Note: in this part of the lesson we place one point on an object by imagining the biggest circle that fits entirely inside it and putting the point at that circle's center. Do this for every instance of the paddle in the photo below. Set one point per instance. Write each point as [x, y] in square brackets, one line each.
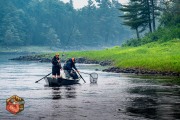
[81, 77]
[42, 78]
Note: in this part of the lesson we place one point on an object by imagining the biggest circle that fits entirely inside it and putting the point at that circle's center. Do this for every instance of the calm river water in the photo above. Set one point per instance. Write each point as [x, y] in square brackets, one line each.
[114, 97]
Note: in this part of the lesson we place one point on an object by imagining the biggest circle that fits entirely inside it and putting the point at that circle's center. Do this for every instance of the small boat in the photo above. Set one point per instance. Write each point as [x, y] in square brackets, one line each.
[56, 82]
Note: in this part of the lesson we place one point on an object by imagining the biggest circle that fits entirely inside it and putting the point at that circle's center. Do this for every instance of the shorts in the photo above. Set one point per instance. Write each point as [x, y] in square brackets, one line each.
[55, 70]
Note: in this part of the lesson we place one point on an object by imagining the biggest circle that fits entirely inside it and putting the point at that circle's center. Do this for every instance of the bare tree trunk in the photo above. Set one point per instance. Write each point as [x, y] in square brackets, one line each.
[137, 33]
[149, 15]
[153, 16]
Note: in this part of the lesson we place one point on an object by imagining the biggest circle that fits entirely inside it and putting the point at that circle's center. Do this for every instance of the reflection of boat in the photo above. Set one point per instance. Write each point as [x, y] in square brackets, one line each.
[60, 81]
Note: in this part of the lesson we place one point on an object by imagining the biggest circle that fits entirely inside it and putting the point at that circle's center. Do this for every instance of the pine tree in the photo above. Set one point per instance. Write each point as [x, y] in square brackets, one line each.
[140, 14]
[135, 17]
[71, 3]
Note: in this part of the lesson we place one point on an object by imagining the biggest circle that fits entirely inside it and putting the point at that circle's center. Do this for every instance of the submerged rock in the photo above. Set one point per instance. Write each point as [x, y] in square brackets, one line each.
[105, 63]
[32, 58]
[96, 69]
[86, 61]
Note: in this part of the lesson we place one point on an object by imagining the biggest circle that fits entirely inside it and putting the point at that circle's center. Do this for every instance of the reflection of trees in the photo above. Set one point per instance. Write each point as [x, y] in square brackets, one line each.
[154, 102]
[144, 90]
[143, 106]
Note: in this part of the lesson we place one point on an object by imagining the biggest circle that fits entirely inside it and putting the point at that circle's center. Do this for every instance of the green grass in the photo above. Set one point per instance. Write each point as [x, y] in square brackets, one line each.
[153, 56]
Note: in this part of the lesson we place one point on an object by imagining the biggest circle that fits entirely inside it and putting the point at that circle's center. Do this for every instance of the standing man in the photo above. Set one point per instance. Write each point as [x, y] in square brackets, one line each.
[68, 68]
[56, 66]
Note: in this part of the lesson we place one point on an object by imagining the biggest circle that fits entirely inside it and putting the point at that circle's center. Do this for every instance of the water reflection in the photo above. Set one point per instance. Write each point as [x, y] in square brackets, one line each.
[61, 92]
[70, 91]
[144, 106]
[93, 84]
[154, 102]
[144, 90]
[56, 93]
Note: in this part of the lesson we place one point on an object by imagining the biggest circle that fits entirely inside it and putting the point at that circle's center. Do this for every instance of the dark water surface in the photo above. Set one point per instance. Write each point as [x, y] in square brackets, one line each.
[115, 97]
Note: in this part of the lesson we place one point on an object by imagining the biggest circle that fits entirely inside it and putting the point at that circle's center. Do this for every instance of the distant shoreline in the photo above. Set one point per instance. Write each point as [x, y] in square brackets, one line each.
[26, 50]
[113, 69]
[17, 53]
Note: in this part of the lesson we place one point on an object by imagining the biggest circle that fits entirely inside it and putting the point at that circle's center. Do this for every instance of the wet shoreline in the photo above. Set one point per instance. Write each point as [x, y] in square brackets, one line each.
[113, 69]
[138, 71]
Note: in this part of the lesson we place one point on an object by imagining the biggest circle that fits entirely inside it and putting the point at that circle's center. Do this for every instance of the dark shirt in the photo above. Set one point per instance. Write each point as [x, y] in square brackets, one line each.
[69, 65]
[55, 62]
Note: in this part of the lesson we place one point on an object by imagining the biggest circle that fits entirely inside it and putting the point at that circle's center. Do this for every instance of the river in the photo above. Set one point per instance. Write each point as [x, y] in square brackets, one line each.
[114, 97]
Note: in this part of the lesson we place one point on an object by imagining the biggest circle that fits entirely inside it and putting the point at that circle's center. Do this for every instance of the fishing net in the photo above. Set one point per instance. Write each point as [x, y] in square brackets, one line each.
[93, 77]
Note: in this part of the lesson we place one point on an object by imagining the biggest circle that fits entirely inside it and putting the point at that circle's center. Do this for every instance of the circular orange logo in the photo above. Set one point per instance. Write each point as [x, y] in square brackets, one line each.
[15, 104]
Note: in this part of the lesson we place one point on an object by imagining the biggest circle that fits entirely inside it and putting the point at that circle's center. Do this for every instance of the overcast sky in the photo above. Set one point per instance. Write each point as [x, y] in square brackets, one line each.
[81, 3]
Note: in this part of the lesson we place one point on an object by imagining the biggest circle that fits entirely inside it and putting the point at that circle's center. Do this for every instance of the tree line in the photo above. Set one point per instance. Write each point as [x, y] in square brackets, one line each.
[55, 23]
[141, 15]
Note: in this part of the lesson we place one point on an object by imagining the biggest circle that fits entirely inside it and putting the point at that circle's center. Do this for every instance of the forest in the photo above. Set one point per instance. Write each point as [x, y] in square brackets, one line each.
[59, 24]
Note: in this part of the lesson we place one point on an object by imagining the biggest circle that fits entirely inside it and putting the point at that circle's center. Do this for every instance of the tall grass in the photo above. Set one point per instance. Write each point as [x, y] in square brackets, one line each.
[153, 56]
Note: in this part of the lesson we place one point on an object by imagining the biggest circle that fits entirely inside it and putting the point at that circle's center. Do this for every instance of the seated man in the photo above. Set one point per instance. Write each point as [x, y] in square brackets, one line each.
[68, 68]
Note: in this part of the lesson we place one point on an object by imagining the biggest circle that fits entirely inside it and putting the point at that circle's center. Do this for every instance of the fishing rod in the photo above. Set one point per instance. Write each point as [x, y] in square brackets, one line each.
[70, 35]
[62, 53]
[68, 39]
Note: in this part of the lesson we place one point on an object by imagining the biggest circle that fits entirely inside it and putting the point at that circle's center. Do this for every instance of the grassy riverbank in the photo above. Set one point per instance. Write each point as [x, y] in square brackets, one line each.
[153, 56]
